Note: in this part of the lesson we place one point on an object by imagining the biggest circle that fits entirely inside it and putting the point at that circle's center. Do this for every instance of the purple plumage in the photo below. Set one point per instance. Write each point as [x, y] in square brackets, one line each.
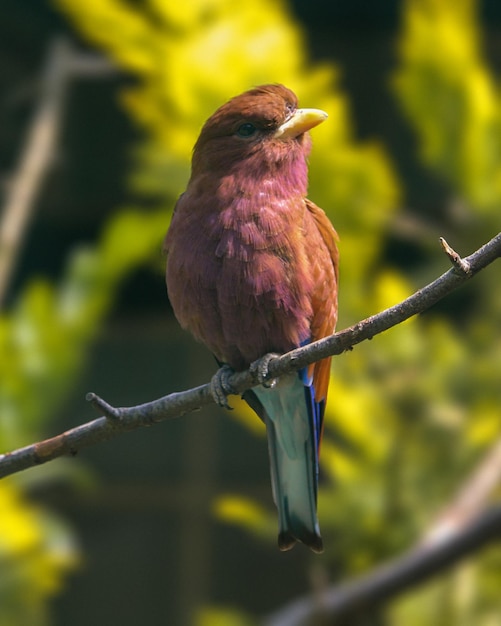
[252, 269]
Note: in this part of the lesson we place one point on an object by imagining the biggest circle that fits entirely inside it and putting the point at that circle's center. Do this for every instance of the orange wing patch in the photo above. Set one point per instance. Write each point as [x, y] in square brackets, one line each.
[325, 274]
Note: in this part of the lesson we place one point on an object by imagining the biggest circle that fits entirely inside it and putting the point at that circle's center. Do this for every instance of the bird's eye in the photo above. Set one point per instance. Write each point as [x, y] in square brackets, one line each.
[246, 130]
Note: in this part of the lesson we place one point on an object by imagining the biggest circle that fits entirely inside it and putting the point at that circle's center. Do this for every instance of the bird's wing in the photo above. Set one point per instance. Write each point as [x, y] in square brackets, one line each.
[326, 273]
[327, 231]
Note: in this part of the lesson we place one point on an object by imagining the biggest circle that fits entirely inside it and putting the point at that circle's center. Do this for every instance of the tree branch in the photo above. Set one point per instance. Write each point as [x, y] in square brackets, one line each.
[117, 420]
[63, 64]
[35, 161]
[471, 499]
[358, 597]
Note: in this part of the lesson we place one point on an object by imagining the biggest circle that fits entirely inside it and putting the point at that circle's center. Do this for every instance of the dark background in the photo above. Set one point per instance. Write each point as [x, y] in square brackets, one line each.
[152, 550]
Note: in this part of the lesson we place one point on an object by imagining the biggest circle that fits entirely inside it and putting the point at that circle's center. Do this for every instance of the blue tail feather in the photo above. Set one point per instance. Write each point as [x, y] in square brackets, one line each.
[293, 422]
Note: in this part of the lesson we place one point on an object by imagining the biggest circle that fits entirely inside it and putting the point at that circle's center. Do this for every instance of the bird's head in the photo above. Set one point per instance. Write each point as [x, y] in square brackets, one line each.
[260, 129]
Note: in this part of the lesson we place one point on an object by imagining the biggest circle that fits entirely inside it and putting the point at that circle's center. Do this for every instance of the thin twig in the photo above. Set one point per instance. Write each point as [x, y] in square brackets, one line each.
[459, 263]
[361, 596]
[63, 64]
[35, 161]
[177, 404]
[368, 328]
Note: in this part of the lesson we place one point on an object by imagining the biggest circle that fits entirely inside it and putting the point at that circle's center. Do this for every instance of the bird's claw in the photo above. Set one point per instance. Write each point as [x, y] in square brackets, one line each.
[220, 386]
[260, 369]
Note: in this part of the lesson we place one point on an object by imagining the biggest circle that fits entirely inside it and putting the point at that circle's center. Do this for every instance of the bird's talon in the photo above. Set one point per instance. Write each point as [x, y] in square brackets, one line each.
[220, 386]
[260, 369]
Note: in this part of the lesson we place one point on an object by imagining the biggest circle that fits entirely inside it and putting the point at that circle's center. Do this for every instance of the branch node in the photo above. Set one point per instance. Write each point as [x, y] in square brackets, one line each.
[460, 264]
[102, 406]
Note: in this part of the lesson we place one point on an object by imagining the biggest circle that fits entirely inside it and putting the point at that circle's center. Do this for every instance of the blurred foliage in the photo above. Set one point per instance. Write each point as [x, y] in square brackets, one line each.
[411, 411]
[223, 617]
[443, 70]
[35, 554]
[44, 340]
[43, 344]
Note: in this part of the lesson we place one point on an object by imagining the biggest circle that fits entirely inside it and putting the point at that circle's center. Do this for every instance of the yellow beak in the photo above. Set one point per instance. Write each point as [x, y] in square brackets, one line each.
[301, 121]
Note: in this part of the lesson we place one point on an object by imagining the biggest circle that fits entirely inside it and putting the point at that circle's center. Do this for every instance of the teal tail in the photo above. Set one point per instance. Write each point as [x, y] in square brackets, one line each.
[293, 423]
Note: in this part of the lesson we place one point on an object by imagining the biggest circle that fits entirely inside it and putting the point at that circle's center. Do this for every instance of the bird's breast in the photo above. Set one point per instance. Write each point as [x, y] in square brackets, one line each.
[243, 288]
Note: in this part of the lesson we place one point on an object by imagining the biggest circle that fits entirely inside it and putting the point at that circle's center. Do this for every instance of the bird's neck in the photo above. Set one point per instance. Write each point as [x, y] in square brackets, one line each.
[276, 180]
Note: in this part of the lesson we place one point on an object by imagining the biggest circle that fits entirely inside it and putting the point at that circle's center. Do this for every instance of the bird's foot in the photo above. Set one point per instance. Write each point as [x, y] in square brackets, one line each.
[220, 386]
[260, 369]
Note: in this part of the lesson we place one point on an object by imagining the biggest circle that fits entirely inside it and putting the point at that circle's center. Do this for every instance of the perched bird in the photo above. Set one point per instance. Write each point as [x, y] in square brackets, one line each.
[252, 269]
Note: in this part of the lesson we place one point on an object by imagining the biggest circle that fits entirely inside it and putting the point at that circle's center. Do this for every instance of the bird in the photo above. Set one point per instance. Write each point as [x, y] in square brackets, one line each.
[252, 271]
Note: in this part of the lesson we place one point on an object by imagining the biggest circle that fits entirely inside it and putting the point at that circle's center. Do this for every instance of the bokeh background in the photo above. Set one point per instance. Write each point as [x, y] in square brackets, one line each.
[100, 104]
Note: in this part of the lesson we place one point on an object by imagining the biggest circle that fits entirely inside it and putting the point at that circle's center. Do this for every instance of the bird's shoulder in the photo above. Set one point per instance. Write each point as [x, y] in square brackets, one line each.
[326, 230]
